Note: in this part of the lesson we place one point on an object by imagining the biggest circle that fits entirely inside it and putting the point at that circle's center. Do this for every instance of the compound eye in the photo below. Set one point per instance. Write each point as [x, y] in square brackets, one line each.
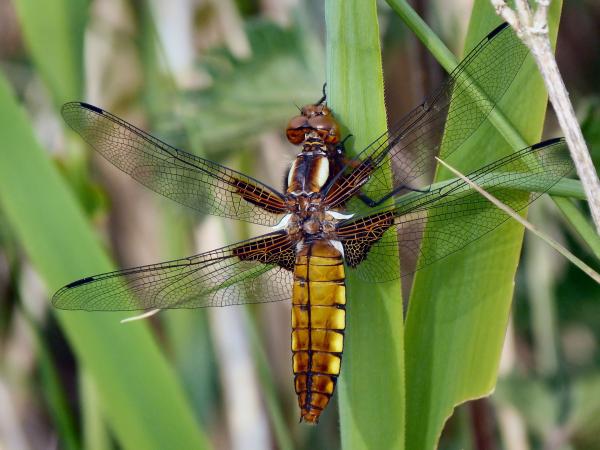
[321, 122]
[296, 129]
[328, 128]
[295, 136]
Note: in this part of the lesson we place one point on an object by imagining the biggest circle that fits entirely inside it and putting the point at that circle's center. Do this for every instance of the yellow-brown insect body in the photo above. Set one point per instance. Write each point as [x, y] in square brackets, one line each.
[318, 323]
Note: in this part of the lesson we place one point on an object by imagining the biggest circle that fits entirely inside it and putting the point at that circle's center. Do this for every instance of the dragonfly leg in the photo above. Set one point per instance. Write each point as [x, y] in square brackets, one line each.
[366, 199]
[372, 203]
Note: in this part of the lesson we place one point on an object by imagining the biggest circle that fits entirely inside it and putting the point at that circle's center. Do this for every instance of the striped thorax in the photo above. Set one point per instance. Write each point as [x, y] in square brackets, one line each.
[309, 172]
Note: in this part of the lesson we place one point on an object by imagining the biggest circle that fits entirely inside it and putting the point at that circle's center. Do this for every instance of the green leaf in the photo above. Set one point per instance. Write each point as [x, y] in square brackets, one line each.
[53, 31]
[579, 223]
[459, 307]
[371, 389]
[52, 389]
[142, 401]
[95, 433]
[585, 418]
[281, 433]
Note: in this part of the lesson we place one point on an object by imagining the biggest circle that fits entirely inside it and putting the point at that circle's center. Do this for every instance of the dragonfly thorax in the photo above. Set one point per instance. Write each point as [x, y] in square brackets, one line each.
[315, 224]
[309, 172]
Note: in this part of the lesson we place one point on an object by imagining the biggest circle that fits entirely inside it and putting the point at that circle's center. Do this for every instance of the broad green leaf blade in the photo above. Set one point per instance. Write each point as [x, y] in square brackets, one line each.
[459, 307]
[53, 30]
[371, 389]
[143, 403]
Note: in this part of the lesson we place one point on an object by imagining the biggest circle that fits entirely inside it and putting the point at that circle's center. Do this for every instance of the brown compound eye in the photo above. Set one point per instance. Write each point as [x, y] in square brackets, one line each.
[327, 127]
[314, 118]
[296, 129]
[295, 136]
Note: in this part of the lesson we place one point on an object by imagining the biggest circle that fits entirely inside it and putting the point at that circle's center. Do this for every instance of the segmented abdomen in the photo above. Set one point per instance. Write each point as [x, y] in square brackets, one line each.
[318, 322]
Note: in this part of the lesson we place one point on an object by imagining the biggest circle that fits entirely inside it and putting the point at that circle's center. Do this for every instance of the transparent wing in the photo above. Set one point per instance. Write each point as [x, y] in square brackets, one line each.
[255, 271]
[449, 116]
[190, 180]
[426, 227]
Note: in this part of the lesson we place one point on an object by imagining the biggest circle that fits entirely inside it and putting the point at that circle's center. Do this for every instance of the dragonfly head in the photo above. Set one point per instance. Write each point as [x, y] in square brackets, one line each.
[313, 119]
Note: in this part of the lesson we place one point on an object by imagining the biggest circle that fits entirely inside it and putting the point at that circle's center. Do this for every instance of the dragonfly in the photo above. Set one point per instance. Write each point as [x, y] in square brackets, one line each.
[335, 214]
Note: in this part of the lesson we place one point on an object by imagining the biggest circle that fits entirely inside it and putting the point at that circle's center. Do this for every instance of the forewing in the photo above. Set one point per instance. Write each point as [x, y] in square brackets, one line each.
[203, 185]
[449, 116]
[426, 227]
[255, 271]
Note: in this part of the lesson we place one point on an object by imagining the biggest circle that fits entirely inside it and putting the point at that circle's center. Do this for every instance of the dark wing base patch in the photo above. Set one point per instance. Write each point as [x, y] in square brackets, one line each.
[360, 235]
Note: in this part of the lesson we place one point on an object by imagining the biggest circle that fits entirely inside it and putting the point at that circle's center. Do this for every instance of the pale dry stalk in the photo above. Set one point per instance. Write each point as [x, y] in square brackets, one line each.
[532, 28]
[515, 215]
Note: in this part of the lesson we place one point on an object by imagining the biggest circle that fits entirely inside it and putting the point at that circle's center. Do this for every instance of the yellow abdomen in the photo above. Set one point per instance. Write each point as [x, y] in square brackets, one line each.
[318, 323]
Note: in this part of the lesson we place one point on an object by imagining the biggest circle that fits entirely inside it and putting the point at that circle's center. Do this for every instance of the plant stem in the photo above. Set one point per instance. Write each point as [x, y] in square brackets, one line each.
[554, 244]
[532, 28]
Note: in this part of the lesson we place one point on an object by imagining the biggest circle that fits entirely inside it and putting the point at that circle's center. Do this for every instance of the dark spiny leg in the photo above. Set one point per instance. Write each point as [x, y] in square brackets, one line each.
[366, 199]
[341, 144]
[372, 203]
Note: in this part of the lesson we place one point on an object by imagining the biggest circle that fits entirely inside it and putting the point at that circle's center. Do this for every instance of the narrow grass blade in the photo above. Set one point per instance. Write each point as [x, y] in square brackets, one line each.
[580, 224]
[53, 390]
[95, 433]
[280, 430]
[567, 188]
[371, 390]
[141, 399]
[53, 31]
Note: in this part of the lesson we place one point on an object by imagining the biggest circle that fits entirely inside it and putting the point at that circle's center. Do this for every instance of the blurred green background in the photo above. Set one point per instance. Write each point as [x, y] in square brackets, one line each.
[221, 79]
